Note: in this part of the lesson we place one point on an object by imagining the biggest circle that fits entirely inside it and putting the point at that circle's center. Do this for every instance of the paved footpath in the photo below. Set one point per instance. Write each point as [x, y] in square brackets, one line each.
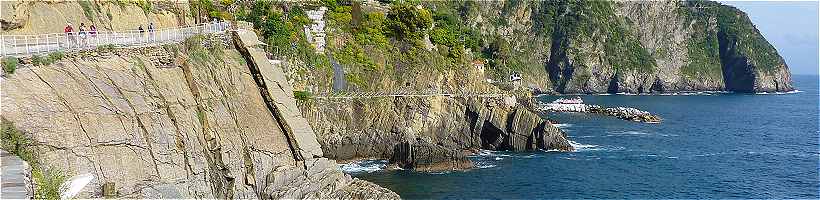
[15, 177]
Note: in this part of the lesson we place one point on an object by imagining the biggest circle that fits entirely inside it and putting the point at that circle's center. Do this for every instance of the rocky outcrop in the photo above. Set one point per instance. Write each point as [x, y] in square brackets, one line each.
[198, 128]
[427, 133]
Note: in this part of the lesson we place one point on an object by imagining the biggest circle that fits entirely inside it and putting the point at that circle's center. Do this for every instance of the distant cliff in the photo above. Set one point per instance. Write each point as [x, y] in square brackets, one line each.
[634, 47]
[555, 46]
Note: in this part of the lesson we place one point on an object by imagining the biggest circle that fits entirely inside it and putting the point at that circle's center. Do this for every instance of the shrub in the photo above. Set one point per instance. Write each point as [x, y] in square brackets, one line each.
[14, 141]
[302, 95]
[55, 56]
[10, 64]
[37, 60]
[48, 183]
[405, 22]
[105, 48]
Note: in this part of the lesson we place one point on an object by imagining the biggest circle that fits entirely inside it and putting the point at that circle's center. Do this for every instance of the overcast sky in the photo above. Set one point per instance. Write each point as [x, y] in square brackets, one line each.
[791, 27]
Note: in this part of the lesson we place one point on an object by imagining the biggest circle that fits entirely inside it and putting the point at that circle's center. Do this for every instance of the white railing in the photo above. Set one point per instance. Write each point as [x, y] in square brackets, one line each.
[22, 45]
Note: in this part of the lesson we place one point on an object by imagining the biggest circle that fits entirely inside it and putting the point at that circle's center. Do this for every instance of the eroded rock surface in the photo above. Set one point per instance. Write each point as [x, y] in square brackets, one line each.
[427, 133]
[198, 128]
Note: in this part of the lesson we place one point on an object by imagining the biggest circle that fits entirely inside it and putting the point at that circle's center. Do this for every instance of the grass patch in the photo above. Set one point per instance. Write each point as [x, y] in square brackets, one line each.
[106, 48]
[10, 64]
[16, 142]
[52, 57]
[302, 95]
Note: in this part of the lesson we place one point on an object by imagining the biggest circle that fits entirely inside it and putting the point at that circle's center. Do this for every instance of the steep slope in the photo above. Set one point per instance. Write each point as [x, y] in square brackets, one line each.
[636, 47]
[190, 126]
[37, 17]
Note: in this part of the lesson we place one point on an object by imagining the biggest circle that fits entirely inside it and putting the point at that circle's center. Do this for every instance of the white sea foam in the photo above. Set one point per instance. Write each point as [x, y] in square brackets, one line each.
[562, 126]
[582, 147]
[364, 166]
[779, 93]
[630, 133]
[499, 158]
[484, 166]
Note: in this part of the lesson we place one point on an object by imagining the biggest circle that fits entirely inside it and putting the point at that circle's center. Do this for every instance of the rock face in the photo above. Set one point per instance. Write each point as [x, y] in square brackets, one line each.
[427, 133]
[626, 46]
[198, 128]
[38, 17]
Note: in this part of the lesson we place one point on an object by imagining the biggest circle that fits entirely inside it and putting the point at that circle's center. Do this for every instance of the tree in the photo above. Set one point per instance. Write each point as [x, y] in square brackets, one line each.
[406, 22]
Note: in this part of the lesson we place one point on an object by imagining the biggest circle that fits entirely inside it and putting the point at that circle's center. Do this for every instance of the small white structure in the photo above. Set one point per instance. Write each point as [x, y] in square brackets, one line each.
[315, 33]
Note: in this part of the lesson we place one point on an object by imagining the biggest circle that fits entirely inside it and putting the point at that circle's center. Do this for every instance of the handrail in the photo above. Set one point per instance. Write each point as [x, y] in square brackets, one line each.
[22, 45]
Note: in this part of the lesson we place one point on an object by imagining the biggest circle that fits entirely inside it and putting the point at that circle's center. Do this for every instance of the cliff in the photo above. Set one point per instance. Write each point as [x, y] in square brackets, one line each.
[634, 47]
[427, 133]
[178, 121]
[554, 46]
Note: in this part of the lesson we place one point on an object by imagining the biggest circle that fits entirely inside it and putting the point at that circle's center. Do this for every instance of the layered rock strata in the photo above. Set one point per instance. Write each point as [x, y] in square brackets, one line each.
[196, 129]
[427, 133]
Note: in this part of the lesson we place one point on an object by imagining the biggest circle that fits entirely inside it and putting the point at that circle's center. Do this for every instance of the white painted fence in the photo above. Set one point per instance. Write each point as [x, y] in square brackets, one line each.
[23, 45]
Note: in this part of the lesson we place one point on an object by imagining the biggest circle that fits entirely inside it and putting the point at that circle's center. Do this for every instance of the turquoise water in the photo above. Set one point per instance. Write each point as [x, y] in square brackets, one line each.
[716, 146]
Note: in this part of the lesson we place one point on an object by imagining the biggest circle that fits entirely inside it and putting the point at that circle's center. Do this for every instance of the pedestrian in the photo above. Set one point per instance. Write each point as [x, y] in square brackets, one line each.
[69, 32]
[82, 34]
[142, 33]
[151, 31]
[92, 31]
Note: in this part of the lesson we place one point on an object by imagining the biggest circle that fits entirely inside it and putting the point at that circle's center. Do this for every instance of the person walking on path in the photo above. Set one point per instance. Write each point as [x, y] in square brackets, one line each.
[92, 32]
[151, 31]
[82, 35]
[69, 32]
[142, 32]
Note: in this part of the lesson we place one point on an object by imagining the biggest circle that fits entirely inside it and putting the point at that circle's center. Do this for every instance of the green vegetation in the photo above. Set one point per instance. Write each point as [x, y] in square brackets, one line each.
[16, 142]
[596, 21]
[10, 64]
[52, 57]
[210, 9]
[302, 95]
[87, 8]
[733, 27]
[405, 22]
[48, 183]
[106, 48]
[145, 5]
[283, 33]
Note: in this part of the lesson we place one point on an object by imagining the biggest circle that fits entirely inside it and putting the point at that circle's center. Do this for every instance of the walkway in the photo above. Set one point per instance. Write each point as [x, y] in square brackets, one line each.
[15, 177]
[359, 95]
[25, 45]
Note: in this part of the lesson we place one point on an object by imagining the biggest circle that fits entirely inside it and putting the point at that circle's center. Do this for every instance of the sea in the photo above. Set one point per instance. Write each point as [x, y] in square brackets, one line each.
[709, 145]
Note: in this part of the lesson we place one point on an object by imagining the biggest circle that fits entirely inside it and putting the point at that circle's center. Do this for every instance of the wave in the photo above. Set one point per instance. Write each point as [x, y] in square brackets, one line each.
[779, 93]
[367, 166]
[582, 147]
[591, 147]
[637, 133]
[562, 126]
[630, 133]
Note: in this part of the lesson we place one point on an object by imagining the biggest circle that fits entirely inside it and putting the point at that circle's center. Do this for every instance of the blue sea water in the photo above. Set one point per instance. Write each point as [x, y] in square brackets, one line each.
[715, 146]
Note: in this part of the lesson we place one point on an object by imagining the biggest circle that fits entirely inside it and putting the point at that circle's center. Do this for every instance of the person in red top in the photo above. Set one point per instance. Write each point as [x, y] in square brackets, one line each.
[69, 32]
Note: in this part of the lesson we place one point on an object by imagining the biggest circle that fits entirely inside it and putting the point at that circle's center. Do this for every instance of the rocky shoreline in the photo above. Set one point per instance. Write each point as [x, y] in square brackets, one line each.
[577, 105]
[428, 133]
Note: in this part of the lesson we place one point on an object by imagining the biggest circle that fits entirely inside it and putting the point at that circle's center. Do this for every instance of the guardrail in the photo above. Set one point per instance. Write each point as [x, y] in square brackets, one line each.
[22, 45]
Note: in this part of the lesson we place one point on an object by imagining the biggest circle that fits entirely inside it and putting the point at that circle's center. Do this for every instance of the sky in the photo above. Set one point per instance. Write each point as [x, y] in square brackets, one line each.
[791, 26]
